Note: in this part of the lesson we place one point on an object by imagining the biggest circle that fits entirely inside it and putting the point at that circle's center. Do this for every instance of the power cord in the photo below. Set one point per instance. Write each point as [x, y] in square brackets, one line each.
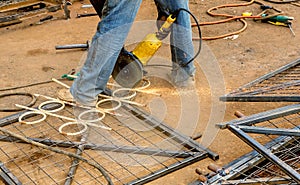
[200, 40]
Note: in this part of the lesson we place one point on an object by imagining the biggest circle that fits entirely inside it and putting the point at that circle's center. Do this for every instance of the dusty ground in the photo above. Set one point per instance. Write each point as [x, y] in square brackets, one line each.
[28, 56]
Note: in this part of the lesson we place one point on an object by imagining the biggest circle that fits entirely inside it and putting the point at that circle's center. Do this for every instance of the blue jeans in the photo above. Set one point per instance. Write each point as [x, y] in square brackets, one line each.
[112, 30]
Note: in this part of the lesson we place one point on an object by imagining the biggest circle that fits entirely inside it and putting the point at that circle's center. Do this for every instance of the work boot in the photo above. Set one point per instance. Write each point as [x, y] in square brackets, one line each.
[181, 79]
[65, 94]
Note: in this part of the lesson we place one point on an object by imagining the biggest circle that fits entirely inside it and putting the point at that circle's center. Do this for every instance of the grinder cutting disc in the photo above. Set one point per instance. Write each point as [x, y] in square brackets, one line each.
[128, 71]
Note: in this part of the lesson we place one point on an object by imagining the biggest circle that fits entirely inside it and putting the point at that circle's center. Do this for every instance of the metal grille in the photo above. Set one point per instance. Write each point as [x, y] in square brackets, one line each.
[278, 161]
[280, 85]
[137, 150]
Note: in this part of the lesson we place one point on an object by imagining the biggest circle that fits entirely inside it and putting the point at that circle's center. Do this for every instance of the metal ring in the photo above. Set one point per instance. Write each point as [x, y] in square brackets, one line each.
[91, 111]
[125, 97]
[32, 122]
[49, 102]
[109, 100]
[72, 133]
[18, 94]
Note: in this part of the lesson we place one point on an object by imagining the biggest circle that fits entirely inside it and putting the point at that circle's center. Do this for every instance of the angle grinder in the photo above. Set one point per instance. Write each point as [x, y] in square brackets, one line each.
[128, 70]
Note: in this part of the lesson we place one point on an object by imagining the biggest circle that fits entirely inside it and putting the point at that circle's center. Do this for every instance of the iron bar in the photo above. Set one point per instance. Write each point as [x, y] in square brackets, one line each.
[147, 118]
[259, 181]
[265, 152]
[270, 131]
[86, 15]
[122, 149]
[75, 162]
[171, 168]
[263, 116]
[248, 98]
[73, 46]
[7, 176]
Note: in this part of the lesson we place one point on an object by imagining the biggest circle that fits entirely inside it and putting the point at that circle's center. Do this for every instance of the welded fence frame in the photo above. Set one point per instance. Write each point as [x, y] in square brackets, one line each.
[235, 97]
[197, 151]
[240, 127]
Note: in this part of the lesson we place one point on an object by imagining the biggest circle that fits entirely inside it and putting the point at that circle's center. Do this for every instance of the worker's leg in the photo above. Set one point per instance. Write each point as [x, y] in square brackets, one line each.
[181, 42]
[112, 31]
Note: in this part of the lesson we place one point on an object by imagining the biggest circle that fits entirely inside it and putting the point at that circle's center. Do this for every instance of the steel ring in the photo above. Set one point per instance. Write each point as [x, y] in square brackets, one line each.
[125, 97]
[91, 111]
[119, 104]
[72, 133]
[49, 102]
[32, 122]
[18, 94]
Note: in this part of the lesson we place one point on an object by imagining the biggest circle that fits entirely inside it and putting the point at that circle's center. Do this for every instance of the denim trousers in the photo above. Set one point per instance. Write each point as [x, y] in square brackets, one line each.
[116, 21]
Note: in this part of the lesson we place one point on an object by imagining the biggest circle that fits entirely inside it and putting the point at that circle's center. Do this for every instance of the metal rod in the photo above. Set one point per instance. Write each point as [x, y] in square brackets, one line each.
[86, 15]
[75, 162]
[188, 142]
[122, 149]
[259, 181]
[72, 46]
[263, 116]
[7, 176]
[248, 98]
[270, 131]
[171, 168]
[265, 152]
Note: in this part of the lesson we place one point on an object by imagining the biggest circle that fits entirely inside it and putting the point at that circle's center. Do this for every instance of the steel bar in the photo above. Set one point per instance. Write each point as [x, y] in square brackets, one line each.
[113, 148]
[147, 118]
[248, 98]
[264, 116]
[265, 152]
[75, 162]
[86, 15]
[7, 176]
[259, 181]
[73, 46]
[270, 131]
[171, 168]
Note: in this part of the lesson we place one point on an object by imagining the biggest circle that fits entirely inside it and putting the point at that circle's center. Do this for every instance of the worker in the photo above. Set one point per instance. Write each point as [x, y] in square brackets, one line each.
[117, 17]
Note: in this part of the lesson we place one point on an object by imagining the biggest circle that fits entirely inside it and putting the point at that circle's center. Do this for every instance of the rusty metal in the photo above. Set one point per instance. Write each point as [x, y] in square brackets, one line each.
[15, 13]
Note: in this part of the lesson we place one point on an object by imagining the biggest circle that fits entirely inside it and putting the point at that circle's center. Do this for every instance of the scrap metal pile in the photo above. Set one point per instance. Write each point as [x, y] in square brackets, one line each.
[275, 160]
[274, 135]
[17, 11]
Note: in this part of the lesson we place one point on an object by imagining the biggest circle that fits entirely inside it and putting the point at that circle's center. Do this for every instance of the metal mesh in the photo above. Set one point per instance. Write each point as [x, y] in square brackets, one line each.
[138, 149]
[254, 168]
[280, 85]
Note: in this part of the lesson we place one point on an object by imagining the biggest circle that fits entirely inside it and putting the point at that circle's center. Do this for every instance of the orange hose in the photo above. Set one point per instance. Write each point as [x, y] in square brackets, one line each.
[229, 18]
[225, 35]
